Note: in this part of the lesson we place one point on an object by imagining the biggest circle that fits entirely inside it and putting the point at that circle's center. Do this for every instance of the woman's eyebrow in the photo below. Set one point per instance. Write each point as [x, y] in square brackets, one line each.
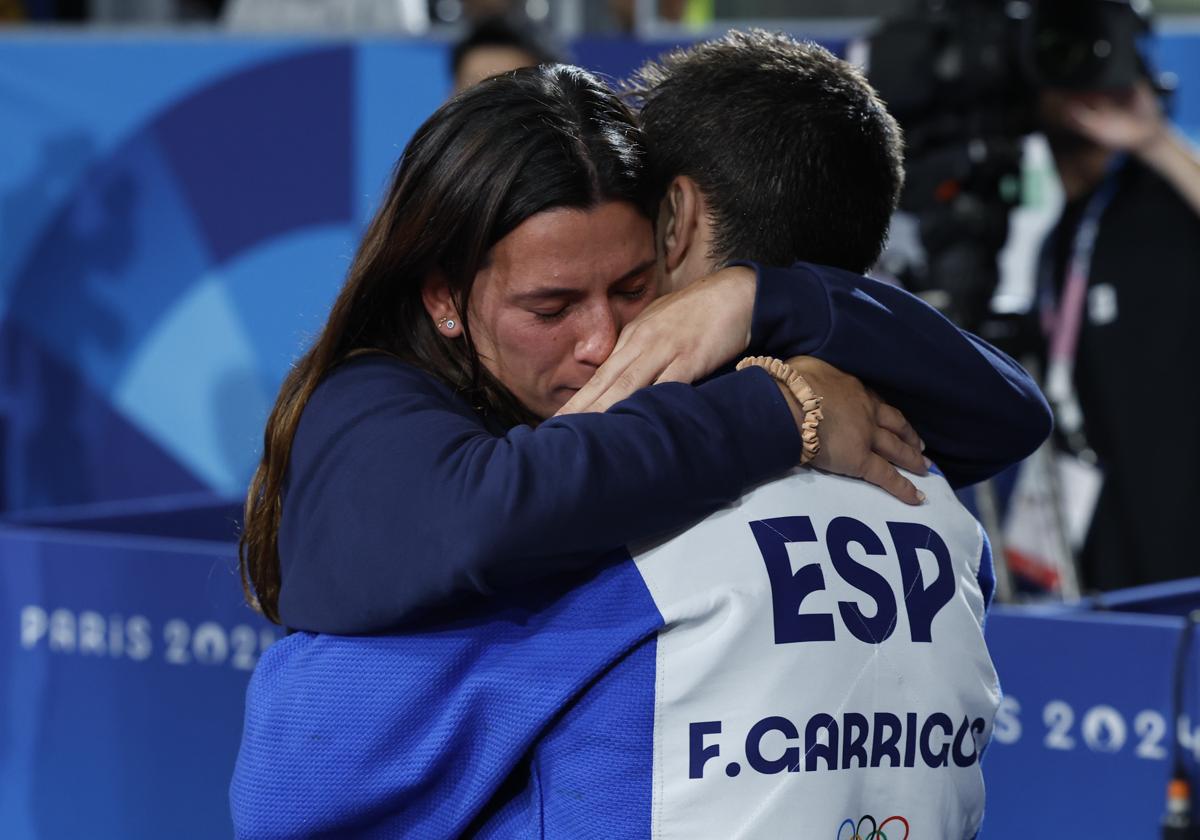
[635, 271]
[547, 293]
[557, 292]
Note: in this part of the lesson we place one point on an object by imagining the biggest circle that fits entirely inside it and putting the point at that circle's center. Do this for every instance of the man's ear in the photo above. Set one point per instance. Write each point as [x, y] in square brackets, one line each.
[679, 218]
[439, 303]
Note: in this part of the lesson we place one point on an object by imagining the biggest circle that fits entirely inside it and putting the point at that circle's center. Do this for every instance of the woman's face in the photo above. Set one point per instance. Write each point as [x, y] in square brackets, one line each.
[546, 309]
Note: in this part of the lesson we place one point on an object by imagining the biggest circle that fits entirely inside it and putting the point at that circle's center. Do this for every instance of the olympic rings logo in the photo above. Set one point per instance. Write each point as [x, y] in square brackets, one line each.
[877, 831]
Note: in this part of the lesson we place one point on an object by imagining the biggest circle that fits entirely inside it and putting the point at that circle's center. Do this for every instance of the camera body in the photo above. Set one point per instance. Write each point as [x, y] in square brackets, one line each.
[962, 78]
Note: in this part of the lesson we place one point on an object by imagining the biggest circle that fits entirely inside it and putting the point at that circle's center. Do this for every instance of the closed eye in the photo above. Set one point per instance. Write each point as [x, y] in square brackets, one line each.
[555, 315]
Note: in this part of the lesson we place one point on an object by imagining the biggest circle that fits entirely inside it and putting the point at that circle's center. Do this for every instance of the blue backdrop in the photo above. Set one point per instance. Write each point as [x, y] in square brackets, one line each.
[177, 215]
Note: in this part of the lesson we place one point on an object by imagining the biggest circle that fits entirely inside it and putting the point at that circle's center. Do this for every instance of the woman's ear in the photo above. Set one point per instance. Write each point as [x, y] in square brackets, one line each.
[439, 303]
[679, 215]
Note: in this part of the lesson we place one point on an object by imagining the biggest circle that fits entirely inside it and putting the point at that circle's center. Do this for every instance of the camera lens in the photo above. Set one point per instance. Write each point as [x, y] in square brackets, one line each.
[1084, 44]
[1064, 46]
[1063, 57]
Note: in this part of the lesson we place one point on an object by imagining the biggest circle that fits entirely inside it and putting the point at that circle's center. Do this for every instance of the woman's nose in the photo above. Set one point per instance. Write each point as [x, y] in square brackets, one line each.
[598, 336]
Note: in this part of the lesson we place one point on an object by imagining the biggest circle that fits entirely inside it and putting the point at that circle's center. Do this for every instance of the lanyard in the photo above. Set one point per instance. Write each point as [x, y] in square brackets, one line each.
[1062, 320]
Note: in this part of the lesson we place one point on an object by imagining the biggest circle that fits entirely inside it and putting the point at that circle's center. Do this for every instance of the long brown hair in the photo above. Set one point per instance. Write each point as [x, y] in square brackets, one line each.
[496, 154]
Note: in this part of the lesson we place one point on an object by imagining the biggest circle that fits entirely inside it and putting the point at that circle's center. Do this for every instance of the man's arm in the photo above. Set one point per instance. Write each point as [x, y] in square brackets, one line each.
[398, 498]
[685, 336]
[976, 409]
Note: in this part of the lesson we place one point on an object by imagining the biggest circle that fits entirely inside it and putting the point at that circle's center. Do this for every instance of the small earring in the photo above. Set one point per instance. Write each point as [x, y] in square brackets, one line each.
[448, 323]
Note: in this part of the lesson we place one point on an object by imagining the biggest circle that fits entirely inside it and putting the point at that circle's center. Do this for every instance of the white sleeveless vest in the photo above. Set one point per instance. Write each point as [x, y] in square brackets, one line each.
[822, 671]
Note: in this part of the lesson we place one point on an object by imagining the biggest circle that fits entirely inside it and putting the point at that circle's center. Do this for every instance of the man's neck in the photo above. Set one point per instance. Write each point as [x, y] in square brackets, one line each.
[686, 275]
[1082, 169]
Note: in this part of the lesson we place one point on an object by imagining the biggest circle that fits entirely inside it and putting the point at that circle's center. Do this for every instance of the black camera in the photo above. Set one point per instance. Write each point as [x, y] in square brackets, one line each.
[1086, 44]
[961, 77]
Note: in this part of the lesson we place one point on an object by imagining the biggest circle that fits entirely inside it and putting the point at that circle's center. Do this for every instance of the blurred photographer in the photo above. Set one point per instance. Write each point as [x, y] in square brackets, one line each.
[1119, 289]
[1118, 278]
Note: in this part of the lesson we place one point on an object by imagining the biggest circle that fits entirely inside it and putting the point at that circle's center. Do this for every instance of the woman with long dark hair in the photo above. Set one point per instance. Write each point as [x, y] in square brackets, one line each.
[512, 245]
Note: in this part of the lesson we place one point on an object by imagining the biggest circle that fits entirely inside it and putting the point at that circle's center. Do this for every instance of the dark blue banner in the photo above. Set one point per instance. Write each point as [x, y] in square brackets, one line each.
[1085, 737]
[124, 662]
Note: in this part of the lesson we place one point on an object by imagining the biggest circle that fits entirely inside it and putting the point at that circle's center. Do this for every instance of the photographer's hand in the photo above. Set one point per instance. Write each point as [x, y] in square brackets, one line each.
[1122, 121]
[1133, 121]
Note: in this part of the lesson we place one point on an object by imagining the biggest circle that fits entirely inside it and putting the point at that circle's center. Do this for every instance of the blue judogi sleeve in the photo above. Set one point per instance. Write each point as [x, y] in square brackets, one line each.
[421, 735]
[977, 410]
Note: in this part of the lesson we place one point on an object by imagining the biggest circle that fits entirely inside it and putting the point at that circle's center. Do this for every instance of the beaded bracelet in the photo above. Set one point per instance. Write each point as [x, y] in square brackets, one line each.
[810, 403]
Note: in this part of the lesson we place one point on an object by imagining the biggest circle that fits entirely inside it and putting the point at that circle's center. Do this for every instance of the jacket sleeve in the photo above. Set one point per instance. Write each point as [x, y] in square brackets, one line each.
[977, 410]
[413, 734]
[398, 497]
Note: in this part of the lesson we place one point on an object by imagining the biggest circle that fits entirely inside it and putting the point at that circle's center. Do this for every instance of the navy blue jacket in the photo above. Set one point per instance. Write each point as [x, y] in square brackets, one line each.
[399, 498]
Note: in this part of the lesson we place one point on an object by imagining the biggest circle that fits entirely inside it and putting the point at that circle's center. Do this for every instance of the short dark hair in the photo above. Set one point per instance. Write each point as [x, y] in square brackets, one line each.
[507, 31]
[793, 149]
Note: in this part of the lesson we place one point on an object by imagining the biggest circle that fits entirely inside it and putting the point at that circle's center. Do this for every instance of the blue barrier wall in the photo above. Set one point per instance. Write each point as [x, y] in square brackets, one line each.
[1085, 737]
[123, 666]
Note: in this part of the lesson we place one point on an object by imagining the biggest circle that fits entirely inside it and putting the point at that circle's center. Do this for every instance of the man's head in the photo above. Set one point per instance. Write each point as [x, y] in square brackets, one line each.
[768, 149]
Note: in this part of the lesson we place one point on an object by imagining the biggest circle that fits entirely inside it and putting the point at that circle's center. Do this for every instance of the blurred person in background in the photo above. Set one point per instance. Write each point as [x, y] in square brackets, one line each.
[496, 45]
[1119, 287]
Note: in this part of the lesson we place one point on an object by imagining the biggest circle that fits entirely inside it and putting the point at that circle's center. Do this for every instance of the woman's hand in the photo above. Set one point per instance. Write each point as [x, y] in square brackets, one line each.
[862, 436]
[681, 337]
